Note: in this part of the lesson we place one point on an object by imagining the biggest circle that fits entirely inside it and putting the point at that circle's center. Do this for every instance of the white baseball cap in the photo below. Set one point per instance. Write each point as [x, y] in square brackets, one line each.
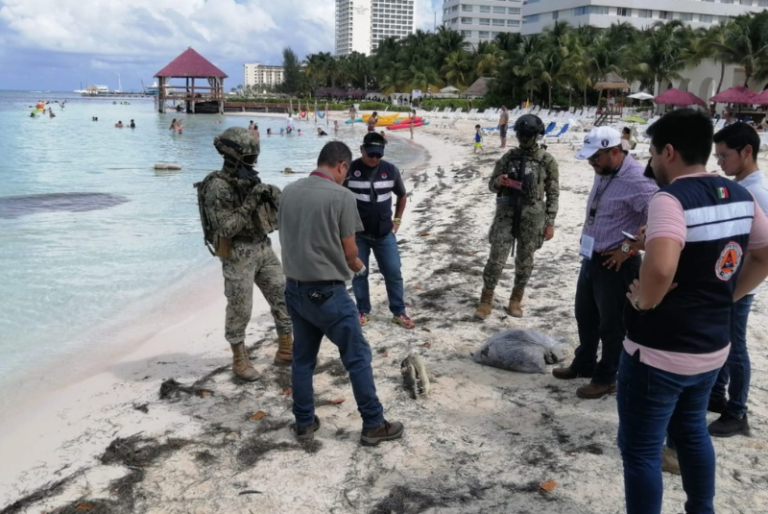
[597, 139]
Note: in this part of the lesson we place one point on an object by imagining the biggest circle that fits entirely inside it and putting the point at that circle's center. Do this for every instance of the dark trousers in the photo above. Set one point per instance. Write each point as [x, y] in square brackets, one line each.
[737, 371]
[335, 318]
[652, 404]
[600, 299]
[388, 258]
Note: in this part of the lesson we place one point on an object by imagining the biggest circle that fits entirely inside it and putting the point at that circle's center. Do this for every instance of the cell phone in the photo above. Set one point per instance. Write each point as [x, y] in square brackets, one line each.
[629, 236]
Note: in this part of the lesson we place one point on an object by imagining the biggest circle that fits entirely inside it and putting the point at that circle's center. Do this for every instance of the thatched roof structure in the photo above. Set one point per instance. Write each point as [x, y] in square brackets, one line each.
[479, 88]
[611, 81]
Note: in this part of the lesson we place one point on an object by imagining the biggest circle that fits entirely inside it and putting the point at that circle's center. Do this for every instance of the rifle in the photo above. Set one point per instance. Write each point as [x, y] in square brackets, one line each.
[517, 173]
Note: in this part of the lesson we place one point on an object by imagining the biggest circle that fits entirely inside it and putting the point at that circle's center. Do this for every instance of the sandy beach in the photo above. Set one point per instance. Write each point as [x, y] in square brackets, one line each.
[165, 427]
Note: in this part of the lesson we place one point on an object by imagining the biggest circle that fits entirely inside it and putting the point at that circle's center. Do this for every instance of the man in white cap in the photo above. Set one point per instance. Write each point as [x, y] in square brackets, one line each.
[617, 203]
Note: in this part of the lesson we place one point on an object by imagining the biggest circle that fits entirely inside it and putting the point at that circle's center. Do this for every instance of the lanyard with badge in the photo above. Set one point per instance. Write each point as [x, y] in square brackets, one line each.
[320, 174]
[588, 242]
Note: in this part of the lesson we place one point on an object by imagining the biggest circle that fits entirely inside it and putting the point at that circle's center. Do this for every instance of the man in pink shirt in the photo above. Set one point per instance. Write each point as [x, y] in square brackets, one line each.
[706, 245]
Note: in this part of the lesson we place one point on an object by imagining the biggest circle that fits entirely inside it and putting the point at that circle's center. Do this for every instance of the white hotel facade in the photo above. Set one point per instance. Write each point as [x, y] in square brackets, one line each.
[702, 80]
[362, 24]
[482, 20]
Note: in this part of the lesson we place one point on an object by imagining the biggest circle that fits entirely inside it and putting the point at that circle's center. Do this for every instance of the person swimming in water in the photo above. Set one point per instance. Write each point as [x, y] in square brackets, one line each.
[269, 131]
[133, 124]
[119, 124]
[321, 132]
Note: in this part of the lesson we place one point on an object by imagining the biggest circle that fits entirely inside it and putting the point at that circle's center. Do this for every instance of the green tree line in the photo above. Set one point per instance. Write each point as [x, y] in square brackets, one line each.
[558, 66]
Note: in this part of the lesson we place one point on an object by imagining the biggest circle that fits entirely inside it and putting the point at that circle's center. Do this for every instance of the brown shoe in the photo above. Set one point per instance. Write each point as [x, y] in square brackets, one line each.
[594, 391]
[486, 304]
[241, 364]
[284, 355]
[669, 462]
[385, 432]
[566, 373]
[514, 309]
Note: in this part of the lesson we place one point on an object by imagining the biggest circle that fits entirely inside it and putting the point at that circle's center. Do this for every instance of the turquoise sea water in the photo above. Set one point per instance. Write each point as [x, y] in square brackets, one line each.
[88, 227]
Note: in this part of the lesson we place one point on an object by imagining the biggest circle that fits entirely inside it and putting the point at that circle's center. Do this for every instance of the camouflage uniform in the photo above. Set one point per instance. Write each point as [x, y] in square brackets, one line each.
[234, 215]
[536, 215]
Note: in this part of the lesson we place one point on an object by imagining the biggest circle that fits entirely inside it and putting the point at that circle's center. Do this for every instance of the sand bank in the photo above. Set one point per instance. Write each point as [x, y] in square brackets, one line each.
[483, 441]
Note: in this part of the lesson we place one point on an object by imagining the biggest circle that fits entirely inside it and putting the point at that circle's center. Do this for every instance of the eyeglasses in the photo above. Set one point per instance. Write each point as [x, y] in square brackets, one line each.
[597, 156]
[724, 156]
[375, 156]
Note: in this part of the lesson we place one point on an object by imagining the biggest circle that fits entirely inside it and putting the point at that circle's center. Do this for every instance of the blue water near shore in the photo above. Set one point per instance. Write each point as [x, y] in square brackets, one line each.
[88, 227]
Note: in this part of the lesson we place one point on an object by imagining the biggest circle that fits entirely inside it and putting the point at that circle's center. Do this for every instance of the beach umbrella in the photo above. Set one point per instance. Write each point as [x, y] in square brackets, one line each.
[734, 95]
[449, 89]
[761, 99]
[611, 81]
[641, 96]
[678, 98]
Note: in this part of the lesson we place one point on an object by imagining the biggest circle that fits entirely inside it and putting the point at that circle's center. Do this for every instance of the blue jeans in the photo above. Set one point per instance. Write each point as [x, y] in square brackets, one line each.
[653, 403]
[388, 258]
[600, 299]
[737, 368]
[335, 318]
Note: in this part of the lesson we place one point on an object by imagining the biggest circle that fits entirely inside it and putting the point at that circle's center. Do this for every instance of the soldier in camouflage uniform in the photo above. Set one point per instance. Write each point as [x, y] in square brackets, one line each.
[241, 212]
[540, 178]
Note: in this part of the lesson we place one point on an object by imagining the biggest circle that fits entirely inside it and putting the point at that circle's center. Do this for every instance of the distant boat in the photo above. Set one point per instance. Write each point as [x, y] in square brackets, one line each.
[154, 89]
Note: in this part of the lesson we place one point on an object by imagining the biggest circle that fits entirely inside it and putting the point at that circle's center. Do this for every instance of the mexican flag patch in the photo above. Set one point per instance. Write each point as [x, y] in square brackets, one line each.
[722, 193]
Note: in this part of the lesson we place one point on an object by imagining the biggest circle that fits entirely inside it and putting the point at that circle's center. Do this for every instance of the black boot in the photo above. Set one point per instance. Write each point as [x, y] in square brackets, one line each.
[728, 426]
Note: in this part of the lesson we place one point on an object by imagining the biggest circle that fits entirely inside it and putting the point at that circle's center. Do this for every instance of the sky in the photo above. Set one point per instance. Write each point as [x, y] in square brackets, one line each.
[58, 45]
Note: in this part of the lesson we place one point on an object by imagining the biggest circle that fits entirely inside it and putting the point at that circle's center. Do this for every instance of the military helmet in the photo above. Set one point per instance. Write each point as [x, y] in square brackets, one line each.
[237, 142]
[529, 125]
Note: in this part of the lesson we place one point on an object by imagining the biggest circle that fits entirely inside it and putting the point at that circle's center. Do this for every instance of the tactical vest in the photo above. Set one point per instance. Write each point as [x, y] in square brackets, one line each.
[373, 192]
[532, 176]
[695, 317]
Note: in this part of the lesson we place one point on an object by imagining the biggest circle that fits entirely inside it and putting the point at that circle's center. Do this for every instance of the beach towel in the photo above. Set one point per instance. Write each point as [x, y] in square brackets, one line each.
[526, 351]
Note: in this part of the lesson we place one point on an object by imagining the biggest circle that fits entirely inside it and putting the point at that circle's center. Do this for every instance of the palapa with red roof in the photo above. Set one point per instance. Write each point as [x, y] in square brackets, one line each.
[191, 97]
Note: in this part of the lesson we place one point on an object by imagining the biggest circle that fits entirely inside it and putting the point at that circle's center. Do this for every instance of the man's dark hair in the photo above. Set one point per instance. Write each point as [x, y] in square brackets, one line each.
[688, 131]
[739, 136]
[334, 153]
[626, 130]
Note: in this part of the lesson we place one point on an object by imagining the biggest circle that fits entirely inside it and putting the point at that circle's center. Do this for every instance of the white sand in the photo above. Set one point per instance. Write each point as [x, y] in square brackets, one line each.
[482, 442]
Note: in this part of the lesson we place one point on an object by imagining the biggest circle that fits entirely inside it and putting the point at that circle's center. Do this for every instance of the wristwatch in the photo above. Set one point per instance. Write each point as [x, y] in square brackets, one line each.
[625, 248]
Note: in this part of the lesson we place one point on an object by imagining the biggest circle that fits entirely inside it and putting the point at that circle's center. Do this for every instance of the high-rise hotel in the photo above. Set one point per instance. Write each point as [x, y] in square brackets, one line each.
[538, 14]
[482, 20]
[362, 24]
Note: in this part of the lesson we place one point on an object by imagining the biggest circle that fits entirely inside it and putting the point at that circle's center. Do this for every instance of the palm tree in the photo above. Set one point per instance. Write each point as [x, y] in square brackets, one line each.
[661, 53]
[457, 69]
[744, 42]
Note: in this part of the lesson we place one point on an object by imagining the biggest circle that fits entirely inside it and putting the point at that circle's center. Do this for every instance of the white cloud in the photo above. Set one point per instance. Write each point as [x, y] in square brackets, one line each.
[232, 28]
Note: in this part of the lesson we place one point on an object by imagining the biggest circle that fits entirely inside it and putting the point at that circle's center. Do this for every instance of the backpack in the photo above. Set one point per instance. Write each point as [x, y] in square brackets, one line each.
[208, 231]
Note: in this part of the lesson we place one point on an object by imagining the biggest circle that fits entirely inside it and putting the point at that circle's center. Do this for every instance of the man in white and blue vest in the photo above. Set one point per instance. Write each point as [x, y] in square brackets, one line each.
[374, 181]
[706, 246]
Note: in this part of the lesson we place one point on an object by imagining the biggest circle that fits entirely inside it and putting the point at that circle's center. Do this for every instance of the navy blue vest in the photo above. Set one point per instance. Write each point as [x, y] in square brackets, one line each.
[373, 192]
[695, 317]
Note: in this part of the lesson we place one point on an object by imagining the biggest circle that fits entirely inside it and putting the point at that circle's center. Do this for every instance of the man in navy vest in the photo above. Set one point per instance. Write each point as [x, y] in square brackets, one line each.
[373, 182]
[706, 245]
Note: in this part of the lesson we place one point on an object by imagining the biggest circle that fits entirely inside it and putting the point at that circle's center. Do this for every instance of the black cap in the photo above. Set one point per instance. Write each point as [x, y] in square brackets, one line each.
[374, 143]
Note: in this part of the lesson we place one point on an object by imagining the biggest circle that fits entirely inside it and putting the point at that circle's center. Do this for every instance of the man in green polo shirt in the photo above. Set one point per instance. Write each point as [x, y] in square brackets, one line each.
[318, 221]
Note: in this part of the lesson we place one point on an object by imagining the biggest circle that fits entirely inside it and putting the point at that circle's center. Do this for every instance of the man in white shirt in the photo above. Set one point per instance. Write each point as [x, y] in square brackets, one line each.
[736, 148]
